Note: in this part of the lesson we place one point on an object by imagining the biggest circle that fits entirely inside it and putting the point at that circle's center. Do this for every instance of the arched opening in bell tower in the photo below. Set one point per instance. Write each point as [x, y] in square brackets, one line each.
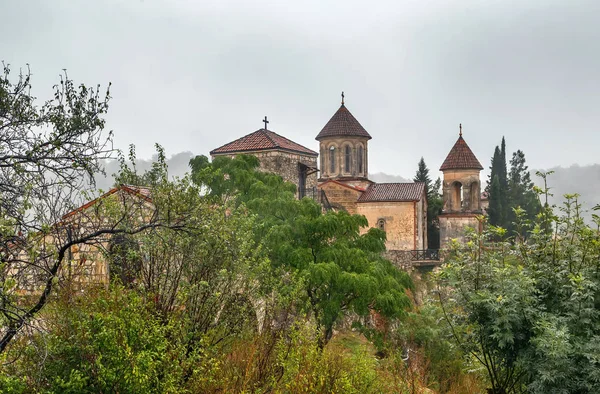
[457, 196]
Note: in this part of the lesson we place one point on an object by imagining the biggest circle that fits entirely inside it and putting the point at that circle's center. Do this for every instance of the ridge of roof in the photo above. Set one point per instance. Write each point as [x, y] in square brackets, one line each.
[143, 192]
[357, 188]
[262, 139]
[461, 157]
[343, 123]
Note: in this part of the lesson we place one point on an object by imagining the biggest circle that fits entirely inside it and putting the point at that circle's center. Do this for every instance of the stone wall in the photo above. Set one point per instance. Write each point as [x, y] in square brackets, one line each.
[400, 258]
[339, 143]
[470, 198]
[341, 196]
[286, 164]
[400, 221]
[454, 226]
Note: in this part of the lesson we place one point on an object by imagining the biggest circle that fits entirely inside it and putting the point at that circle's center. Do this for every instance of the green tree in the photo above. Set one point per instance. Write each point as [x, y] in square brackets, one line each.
[497, 194]
[48, 155]
[521, 193]
[434, 204]
[514, 190]
[495, 208]
[338, 268]
[528, 310]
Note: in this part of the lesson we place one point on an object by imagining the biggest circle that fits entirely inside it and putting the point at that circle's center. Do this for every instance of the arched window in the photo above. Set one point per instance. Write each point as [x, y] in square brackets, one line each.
[381, 224]
[457, 196]
[359, 159]
[347, 158]
[332, 160]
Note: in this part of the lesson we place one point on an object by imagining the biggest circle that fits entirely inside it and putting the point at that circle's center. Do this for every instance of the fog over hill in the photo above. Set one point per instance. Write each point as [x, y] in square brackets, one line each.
[583, 180]
[178, 165]
[381, 177]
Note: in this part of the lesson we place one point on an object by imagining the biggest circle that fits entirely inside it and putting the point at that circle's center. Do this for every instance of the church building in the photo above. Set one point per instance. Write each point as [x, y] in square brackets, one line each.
[399, 209]
[293, 162]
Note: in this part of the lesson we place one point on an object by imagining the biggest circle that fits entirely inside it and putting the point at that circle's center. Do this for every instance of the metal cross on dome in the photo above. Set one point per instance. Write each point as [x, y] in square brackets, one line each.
[265, 121]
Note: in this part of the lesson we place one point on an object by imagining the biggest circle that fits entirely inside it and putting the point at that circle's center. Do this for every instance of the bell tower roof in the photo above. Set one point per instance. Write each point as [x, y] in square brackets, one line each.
[341, 124]
[461, 157]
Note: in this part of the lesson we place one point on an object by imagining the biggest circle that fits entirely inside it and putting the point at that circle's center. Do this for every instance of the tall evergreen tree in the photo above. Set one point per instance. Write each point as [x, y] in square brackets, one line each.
[520, 190]
[434, 204]
[507, 191]
[495, 207]
[496, 194]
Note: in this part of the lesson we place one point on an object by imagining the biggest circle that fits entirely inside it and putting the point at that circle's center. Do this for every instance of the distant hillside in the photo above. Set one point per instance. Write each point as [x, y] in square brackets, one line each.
[583, 180]
[381, 177]
[178, 166]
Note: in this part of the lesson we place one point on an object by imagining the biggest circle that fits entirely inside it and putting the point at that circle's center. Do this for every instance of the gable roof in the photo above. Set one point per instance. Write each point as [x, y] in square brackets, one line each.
[357, 188]
[140, 191]
[461, 157]
[397, 192]
[262, 139]
[343, 123]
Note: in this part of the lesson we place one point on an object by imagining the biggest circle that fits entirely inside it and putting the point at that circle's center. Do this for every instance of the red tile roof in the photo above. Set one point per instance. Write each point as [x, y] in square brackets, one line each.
[342, 123]
[263, 140]
[461, 158]
[140, 191]
[393, 192]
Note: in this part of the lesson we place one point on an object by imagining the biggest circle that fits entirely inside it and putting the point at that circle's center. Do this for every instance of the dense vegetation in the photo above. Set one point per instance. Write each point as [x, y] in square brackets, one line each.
[230, 284]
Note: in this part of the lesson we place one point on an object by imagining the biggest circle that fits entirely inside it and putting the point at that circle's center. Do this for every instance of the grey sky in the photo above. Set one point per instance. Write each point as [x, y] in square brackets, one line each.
[193, 75]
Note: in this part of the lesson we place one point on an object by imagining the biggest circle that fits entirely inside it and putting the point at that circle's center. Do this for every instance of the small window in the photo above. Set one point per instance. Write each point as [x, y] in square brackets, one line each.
[359, 159]
[347, 158]
[381, 224]
[332, 159]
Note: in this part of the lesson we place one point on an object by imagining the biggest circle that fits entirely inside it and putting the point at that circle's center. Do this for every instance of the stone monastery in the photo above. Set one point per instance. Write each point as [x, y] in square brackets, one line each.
[338, 177]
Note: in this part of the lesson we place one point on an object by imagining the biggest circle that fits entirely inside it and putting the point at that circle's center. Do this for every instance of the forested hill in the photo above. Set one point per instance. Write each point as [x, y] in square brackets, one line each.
[583, 180]
[178, 166]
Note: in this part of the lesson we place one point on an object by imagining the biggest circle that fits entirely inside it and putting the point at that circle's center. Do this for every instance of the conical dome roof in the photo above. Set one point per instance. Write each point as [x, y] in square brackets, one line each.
[461, 157]
[343, 123]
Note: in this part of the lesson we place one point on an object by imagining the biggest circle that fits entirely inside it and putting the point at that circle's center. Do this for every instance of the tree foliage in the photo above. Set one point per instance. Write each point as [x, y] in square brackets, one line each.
[337, 266]
[528, 310]
[508, 191]
[47, 156]
[435, 204]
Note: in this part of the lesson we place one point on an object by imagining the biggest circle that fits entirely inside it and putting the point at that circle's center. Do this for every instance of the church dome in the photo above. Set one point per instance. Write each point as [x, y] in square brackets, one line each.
[343, 124]
[461, 157]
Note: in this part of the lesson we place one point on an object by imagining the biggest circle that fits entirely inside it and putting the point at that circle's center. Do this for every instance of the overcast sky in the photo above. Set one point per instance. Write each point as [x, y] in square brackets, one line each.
[193, 75]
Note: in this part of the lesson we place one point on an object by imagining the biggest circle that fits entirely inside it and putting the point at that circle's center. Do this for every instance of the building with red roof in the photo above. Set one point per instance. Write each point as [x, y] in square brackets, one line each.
[461, 192]
[295, 163]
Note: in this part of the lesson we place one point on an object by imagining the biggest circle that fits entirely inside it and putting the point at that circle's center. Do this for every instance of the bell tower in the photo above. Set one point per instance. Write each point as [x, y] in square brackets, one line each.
[461, 192]
[343, 144]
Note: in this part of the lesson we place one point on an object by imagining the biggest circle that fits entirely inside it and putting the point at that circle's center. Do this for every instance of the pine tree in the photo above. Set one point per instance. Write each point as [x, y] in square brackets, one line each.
[495, 208]
[499, 196]
[434, 204]
[520, 190]
[507, 191]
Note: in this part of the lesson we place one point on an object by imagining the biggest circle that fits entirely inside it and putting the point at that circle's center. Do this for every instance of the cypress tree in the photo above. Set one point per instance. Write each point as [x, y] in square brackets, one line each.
[520, 190]
[495, 208]
[498, 197]
[434, 204]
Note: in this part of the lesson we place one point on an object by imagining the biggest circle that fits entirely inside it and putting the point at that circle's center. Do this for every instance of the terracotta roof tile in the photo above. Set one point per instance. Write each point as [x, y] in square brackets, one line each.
[262, 140]
[461, 158]
[342, 123]
[393, 192]
[140, 191]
